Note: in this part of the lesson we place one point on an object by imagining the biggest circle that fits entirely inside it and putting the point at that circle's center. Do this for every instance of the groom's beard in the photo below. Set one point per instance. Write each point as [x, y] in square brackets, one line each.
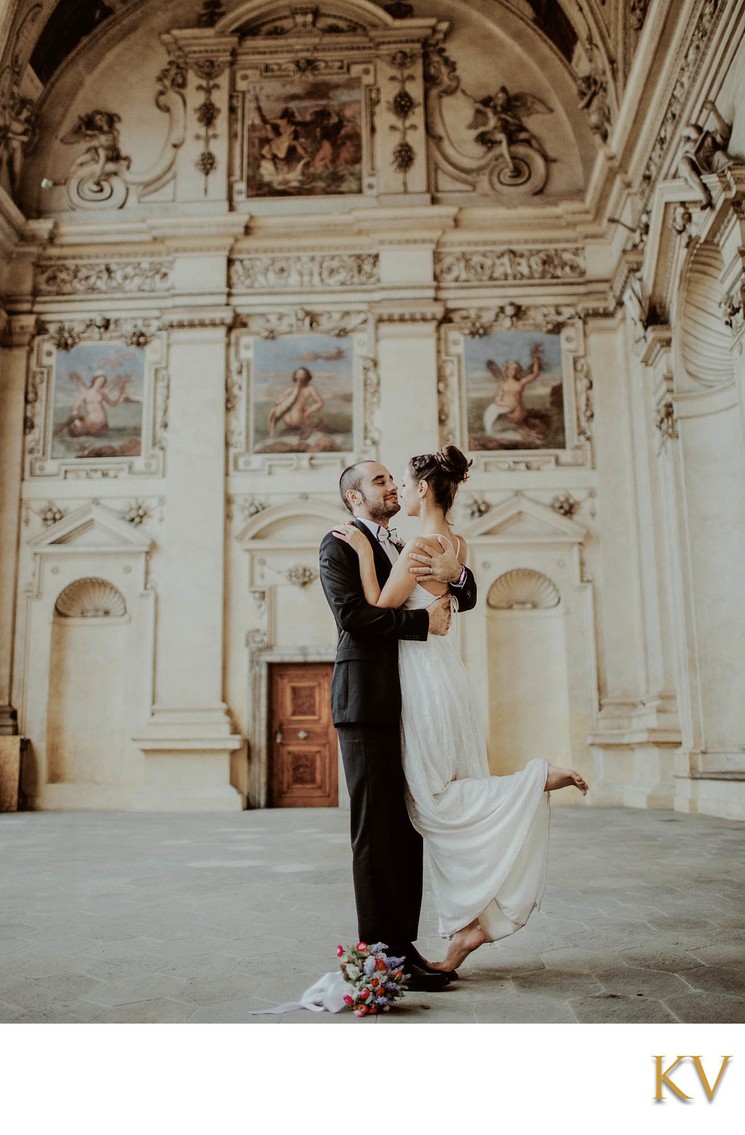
[382, 513]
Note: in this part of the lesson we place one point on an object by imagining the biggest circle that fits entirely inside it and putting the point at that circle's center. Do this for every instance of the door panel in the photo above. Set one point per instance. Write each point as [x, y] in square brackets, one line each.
[303, 764]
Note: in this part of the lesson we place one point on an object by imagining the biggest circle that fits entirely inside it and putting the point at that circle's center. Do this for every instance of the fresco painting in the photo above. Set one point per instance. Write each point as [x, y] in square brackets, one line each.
[98, 401]
[514, 391]
[302, 394]
[304, 137]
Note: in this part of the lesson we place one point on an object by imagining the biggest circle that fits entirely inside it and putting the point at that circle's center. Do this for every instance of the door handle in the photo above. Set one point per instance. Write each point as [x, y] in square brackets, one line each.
[302, 734]
[279, 737]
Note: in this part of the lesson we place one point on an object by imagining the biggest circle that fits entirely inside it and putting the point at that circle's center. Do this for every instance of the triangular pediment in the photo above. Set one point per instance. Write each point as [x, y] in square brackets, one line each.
[91, 528]
[522, 520]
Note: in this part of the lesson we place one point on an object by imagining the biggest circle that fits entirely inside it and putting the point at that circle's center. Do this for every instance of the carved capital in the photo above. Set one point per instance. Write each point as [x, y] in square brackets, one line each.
[18, 330]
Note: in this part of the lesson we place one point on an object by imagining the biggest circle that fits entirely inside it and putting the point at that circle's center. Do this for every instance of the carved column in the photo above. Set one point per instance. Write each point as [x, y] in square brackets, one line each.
[189, 737]
[16, 339]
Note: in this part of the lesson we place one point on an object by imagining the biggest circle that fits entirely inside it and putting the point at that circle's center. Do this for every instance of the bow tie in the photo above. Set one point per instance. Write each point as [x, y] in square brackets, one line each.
[390, 534]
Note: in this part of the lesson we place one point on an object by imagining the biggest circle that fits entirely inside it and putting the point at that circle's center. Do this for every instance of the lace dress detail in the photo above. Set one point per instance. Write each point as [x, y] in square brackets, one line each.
[485, 837]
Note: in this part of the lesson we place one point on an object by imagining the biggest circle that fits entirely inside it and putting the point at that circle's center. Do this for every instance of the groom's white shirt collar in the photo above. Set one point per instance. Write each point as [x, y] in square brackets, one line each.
[374, 527]
[383, 536]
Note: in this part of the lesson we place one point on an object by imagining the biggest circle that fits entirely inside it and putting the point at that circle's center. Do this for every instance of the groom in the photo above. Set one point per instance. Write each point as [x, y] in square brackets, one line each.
[366, 708]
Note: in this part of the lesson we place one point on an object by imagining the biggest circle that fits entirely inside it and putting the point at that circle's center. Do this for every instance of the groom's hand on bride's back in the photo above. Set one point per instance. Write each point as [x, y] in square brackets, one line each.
[439, 615]
[430, 563]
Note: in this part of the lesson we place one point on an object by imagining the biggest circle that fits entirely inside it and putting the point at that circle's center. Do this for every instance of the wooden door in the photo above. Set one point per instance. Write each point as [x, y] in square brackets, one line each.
[303, 761]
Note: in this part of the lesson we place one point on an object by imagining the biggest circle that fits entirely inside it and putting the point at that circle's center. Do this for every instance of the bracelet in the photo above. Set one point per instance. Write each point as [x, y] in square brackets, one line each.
[461, 579]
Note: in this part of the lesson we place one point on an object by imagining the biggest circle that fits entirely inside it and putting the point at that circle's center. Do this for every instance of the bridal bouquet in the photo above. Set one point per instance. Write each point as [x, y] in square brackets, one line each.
[375, 980]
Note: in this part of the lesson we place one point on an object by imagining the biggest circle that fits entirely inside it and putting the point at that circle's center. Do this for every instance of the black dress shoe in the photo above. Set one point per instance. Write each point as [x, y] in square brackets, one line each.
[416, 958]
[424, 981]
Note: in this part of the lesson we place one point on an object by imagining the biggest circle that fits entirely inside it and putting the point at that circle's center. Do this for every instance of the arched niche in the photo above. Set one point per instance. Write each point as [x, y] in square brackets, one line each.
[87, 647]
[87, 711]
[705, 342]
[528, 680]
[535, 645]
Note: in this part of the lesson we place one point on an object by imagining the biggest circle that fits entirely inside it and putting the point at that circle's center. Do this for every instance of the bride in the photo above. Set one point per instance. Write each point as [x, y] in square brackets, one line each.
[485, 837]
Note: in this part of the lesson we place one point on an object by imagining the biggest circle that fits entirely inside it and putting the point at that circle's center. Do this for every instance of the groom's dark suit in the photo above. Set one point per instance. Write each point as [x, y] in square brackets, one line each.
[366, 708]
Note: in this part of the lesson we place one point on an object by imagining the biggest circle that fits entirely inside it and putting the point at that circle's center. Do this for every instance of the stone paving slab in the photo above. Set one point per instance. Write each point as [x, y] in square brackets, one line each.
[202, 918]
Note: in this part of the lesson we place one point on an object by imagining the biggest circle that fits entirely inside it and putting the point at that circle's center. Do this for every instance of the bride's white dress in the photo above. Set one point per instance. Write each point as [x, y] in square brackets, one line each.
[485, 837]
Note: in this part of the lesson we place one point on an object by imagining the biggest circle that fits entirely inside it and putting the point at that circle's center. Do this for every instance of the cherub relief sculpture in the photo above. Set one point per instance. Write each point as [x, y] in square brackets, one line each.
[498, 121]
[593, 99]
[101, 177]
[704, 151]
[17, 133]
[503, 155]
[96, 175]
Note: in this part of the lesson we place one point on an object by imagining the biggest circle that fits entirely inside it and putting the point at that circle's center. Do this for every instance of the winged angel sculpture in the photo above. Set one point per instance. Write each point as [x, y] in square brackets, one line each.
[504, 155]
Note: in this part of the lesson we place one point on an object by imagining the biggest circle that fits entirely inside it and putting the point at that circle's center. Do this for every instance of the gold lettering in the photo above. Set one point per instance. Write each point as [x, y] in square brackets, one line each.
[702, 1075]
[665, 1076]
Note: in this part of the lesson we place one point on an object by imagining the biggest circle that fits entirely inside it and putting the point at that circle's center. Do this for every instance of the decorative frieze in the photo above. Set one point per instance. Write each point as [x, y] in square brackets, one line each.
[68, 278]
[309, 270]
[487, 266]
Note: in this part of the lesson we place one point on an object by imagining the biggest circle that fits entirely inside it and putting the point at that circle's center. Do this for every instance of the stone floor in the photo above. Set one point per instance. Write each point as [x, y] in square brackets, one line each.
[127, 917]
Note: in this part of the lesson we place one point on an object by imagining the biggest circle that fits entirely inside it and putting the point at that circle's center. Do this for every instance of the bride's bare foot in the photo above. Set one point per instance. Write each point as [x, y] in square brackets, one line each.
[565, 778]
[462, 943]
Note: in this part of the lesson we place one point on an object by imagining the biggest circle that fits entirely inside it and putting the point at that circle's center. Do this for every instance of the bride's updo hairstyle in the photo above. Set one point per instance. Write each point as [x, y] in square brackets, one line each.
[443, 471]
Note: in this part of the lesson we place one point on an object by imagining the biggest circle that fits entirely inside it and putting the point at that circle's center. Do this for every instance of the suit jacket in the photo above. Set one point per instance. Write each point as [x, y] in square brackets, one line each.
[365, 685]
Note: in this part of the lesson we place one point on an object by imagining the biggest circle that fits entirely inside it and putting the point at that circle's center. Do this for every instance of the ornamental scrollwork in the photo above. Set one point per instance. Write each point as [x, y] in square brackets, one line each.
[299, 575]
[585, 410]
[402, 106]
[371, 389]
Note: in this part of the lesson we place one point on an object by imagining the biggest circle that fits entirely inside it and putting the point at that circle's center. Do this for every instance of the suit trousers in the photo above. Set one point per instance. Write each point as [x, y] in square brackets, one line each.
[386, 850]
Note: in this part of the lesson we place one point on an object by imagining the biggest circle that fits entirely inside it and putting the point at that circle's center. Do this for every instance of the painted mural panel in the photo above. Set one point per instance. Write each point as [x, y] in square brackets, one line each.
[98, 401]
[304, 137]
[514, 391]
[302, 397]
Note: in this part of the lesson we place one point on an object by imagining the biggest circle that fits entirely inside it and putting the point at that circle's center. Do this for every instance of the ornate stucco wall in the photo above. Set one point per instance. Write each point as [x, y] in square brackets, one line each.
[156, 227]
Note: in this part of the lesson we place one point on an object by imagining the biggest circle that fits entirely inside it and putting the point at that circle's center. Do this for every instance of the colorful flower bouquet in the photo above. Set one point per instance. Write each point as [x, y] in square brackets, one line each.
[374, 979]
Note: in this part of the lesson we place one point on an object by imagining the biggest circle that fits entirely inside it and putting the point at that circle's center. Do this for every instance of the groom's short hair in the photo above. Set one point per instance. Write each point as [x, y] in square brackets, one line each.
[351, 478]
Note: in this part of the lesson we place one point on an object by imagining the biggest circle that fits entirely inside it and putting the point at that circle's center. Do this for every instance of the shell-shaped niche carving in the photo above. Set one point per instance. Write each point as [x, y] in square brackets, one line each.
[91, 598]
[705, 343]
[523, 590]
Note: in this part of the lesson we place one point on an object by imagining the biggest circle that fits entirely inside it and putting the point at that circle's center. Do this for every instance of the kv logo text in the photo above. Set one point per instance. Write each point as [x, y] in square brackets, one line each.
[664, 1079]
